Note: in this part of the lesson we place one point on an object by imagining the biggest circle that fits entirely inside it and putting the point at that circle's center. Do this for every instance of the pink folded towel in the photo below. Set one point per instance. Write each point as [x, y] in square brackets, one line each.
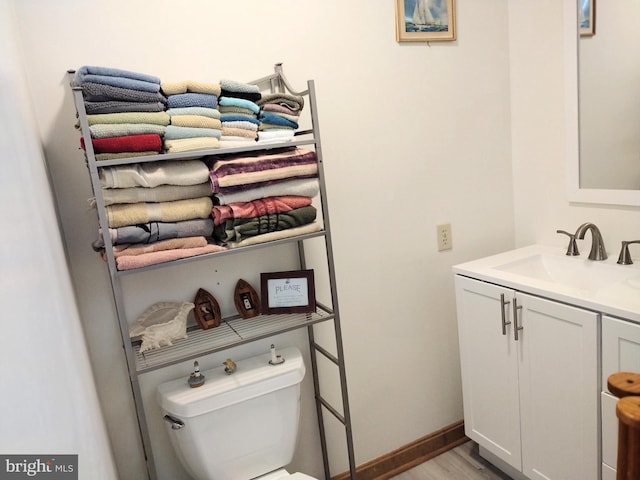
[159, 246]
[128, 262]
[258, 207]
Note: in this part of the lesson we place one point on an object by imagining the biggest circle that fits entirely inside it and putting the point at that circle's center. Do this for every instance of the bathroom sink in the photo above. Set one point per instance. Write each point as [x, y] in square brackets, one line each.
[546, 271]
[573, 272]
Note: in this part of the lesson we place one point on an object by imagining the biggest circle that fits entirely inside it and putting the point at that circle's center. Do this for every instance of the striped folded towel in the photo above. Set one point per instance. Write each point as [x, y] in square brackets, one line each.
[237, 172]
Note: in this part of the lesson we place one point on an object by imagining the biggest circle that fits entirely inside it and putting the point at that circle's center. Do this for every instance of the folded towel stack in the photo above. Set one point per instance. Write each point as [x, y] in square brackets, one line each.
[161, 211]
[236, 222]
[279, 116]
[125, 111]
[239, 112]
[150, 203]
[195, 119]
[261, 197]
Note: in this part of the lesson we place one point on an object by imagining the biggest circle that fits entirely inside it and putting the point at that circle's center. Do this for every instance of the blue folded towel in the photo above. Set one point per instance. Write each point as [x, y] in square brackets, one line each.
[239, 102]
[192, 100]
[117, 78]
[277, 120]
[236, 117]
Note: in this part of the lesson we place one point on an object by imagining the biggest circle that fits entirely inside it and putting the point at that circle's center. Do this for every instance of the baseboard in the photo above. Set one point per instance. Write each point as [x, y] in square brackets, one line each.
[412, 454]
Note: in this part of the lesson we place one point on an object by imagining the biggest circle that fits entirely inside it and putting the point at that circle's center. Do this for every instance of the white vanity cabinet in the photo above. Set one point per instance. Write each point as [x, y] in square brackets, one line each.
[620, 353]
[530, 380]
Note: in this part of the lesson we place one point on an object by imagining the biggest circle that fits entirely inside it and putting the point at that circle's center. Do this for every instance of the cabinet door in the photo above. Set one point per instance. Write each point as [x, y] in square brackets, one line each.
[489, 369]
[620, 353]
[620, 347]
[609, 431]
[558, 358]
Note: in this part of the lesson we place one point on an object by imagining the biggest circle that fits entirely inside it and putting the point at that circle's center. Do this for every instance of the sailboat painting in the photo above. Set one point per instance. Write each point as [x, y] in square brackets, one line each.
[586, 17]
[425, 20]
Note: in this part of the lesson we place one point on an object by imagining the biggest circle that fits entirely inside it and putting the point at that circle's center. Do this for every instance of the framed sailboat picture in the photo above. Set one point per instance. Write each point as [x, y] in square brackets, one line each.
[586, 17]
[425, 20]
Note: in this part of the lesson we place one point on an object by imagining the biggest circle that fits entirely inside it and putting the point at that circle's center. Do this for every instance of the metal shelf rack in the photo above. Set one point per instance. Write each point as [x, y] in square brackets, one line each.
[232, 332]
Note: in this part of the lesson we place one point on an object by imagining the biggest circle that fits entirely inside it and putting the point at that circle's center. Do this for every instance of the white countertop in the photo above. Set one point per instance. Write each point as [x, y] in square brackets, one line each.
[618, 286]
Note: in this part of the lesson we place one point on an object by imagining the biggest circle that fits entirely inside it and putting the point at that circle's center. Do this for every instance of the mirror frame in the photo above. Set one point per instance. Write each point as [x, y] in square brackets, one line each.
[572, 123]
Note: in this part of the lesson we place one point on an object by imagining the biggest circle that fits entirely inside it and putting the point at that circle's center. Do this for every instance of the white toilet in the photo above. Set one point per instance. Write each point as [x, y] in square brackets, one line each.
[237, 426]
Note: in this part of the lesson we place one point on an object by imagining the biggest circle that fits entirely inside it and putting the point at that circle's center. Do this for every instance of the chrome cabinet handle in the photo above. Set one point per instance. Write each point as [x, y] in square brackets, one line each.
[516, 328]
[503, 304]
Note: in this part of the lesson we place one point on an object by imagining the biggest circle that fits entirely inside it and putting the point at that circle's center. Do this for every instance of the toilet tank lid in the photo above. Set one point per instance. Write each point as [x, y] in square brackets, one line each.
[300, 476]
[254, 377]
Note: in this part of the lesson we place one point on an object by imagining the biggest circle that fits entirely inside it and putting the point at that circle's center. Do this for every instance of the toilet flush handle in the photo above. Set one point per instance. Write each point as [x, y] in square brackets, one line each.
[176, 424]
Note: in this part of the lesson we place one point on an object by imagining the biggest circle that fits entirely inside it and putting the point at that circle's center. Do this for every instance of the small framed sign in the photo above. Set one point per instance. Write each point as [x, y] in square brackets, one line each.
[288, 292]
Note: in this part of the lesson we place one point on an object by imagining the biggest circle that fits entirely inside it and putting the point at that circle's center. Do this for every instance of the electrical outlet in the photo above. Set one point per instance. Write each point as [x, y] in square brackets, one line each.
[445, 240]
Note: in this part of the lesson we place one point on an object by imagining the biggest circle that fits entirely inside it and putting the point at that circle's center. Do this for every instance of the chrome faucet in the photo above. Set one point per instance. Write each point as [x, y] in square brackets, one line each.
[625, 256]
[598, 251]
[572, 248]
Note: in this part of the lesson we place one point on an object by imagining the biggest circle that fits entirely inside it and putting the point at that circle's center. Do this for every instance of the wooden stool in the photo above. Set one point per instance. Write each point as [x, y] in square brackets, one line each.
[623, 384]
[626, 386]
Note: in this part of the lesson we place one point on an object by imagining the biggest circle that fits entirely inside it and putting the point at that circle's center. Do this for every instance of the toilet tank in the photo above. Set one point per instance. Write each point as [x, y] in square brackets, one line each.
[237, 426]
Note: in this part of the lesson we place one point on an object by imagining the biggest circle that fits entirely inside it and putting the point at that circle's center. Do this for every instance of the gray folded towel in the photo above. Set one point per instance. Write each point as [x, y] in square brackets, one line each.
[97, 92]
[119, 106]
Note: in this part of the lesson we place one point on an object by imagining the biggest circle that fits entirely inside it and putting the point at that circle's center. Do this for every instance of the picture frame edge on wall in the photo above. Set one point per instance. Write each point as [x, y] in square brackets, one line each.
[589, 30]
[431, 30]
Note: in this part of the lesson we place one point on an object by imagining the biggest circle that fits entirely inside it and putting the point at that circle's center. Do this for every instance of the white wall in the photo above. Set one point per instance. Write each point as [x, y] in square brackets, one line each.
[413, 135]
[49, 404]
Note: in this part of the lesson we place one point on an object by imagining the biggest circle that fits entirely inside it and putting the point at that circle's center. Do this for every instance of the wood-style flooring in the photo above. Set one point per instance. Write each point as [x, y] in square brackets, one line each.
[460, 463]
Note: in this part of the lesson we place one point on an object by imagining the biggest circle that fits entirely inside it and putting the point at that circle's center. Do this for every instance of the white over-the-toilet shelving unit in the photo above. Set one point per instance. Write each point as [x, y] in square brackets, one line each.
[234, 330]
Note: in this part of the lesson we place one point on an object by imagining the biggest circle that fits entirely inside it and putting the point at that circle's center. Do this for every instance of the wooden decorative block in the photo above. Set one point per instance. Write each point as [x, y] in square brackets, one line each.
[246, 300]
[207, 310]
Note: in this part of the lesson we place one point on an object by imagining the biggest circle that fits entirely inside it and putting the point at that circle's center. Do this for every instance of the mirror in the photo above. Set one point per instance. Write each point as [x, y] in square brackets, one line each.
[603, 104]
